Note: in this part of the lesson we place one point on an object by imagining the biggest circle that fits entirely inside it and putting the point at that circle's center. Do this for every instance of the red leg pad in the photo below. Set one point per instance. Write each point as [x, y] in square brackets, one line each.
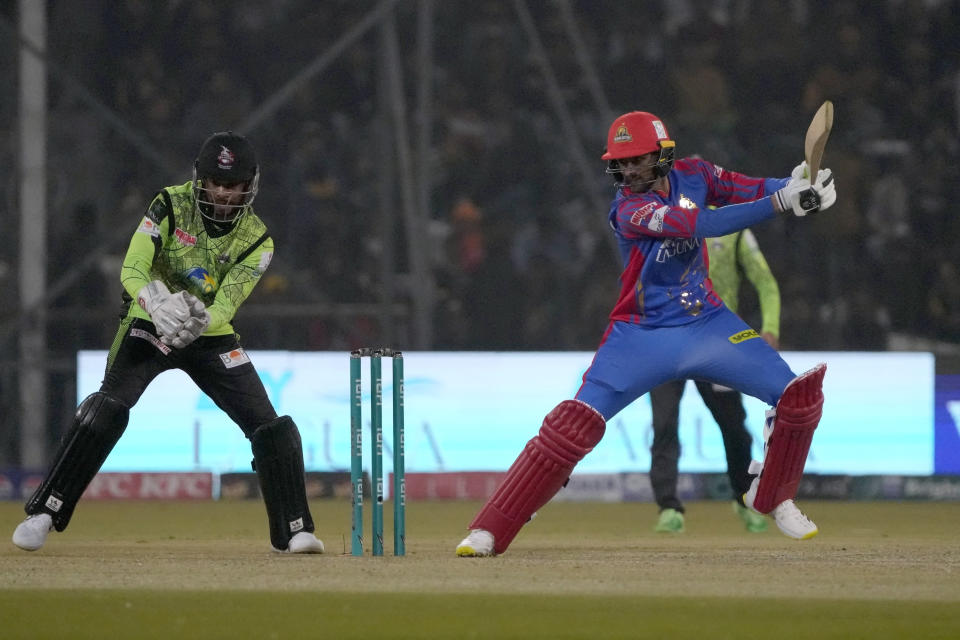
[798, 414]
[569, 432]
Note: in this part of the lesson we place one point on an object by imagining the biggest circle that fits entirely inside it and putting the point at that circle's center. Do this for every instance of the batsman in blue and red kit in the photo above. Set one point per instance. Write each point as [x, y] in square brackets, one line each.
[668, 324]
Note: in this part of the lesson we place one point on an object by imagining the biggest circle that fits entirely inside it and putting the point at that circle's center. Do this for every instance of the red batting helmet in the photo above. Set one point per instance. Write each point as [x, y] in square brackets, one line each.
[635, 134]
[638, 133]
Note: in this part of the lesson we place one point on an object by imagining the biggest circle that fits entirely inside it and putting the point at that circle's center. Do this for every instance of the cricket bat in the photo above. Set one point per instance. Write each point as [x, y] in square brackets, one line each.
[816, 140]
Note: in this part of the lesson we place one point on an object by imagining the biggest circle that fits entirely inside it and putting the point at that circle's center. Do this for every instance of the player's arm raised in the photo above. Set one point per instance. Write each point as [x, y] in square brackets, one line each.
[799, 197]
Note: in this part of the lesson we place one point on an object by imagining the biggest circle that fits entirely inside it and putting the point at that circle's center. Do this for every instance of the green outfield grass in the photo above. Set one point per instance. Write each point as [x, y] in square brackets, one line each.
[204, 570]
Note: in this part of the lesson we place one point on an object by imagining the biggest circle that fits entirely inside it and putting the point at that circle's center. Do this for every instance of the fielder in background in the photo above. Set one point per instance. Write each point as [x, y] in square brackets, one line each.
[195, 257]
[668, 323]
[730, 257]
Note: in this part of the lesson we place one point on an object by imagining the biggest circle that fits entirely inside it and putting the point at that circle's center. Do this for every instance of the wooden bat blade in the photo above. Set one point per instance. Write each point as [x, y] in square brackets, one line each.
[816, 140]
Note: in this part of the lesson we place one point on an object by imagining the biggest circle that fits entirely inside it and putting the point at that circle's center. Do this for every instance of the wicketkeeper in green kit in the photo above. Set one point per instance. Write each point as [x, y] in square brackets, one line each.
[195, 257]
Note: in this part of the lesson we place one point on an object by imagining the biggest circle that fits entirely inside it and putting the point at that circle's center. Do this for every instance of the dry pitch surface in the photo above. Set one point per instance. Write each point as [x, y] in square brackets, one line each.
[192, 570]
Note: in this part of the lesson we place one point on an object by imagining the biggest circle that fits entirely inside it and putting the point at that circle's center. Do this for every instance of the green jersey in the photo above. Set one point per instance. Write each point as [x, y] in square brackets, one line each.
[173, 244]
[736, 254]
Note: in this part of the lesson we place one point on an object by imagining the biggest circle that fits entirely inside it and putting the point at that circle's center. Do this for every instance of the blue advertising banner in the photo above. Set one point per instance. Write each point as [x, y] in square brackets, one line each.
[946, 430]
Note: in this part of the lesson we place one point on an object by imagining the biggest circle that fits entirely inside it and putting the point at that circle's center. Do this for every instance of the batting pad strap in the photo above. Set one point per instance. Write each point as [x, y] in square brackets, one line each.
[769, 417]
[569, 432]
[798, 413]
[97, 426]
[278, 461]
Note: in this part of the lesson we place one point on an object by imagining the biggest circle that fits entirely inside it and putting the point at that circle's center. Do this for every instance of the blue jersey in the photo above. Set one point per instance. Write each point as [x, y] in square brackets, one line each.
[668, 324]
[660, 236]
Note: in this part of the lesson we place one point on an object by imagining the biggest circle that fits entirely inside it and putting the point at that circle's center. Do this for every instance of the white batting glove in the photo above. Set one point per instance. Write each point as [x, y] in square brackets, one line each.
[826, 188]
[195, 325]
[824, 185]
[801, 198]
[800, 171]
[167, 311]
[790, 197]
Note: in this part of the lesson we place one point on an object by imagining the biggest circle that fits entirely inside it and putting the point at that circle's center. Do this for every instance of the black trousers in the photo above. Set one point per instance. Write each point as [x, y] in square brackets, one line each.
[217, 364]
[727, 408]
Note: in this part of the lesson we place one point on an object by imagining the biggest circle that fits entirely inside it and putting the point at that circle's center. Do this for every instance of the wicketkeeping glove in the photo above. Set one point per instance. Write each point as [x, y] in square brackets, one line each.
[167, 311]
[195, 325]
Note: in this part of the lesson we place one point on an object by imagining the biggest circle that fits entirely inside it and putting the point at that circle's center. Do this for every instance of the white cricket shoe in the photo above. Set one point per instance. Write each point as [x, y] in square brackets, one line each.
[32, 532]
[792, 522]
[477, 544]
[303, 542]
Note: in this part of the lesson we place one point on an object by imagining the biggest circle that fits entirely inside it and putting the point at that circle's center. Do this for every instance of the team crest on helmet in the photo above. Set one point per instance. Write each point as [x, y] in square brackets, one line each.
[622, 134]
[225, 158]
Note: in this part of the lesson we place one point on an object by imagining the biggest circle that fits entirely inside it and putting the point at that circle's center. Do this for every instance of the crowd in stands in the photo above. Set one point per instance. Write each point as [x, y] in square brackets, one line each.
[514, 233]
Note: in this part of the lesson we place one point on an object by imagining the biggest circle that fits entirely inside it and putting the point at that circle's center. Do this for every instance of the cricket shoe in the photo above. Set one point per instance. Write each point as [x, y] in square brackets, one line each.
[303, 542]
[32, 532]
[753, 521]
[790, 520]
[477, 544]
[793, 522]
[670, 521]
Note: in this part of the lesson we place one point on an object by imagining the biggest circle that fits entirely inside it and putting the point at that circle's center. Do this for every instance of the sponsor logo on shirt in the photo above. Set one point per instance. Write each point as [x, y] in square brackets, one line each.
[651, 216]
[686, 202]
[234, 358]
[149, 227]
[637, 218]
[185, 238]
[202, 279]
[737, 338]
[676, 246]
[152, 339]
[656, 220]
